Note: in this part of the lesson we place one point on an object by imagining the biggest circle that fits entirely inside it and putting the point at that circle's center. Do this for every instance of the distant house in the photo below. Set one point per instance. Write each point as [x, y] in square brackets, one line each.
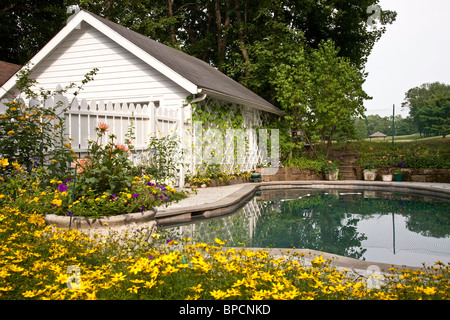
[7, 70]
[136, 75]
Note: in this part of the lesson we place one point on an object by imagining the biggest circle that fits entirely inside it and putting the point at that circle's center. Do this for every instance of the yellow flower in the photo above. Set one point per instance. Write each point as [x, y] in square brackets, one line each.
[10, 133]
[218, 294]
[118, 277]
[4, 162]
[429, 290]
[57, 202]
[318, 260]
[197, 288]
[128, 196]
[16, 166]
[218, 241]
[133, 289]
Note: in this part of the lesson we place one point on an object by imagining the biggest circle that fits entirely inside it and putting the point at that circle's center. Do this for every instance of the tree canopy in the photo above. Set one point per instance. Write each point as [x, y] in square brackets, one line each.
[429, 108]
[254, 42]
[225, 33]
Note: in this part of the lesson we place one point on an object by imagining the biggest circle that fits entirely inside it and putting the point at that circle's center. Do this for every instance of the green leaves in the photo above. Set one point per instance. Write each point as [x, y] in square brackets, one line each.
[321, 92]
[429, 107]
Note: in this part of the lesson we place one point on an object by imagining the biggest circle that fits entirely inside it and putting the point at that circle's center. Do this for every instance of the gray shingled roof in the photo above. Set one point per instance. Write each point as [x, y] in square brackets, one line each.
[7, 70]
[195, 70]
[377, 134]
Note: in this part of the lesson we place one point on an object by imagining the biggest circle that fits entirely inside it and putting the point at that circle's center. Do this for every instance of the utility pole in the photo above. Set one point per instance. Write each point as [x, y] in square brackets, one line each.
[393, 123]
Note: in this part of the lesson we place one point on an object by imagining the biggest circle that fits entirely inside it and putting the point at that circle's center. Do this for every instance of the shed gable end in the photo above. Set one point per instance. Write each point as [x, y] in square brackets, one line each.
[121, 75]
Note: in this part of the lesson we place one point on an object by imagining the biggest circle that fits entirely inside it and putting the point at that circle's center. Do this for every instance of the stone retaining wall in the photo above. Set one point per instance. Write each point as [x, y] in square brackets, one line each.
[419, 175]
[411, 175]
[289, 174]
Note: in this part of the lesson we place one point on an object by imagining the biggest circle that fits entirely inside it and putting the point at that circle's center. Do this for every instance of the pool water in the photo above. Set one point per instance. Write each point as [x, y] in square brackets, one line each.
[374, 226]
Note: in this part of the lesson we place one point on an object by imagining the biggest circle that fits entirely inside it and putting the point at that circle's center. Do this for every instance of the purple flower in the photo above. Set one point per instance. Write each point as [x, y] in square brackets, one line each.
[142, 208]
[113, 197]
[62, 187]
[135, 195]
[169, 240]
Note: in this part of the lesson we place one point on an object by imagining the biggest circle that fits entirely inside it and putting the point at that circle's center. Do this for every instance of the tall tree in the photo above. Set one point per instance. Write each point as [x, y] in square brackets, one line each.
[27, 25]
[321, 93]
[225, 33]
[429, 107]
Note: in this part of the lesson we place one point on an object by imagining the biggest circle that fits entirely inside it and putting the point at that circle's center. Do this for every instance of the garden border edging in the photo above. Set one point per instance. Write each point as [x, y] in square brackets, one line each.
[104, 222]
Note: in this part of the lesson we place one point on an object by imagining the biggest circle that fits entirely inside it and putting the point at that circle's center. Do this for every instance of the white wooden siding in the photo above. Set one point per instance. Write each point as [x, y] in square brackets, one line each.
[121, 75]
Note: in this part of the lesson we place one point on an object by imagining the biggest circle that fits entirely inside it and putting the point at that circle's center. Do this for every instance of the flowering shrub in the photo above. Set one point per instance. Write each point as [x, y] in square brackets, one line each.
[33, 135]
[107, 168]
[330, 166]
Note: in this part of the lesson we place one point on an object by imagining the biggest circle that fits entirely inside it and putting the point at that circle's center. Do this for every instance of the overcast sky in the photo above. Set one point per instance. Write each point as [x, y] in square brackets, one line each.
[414, 50]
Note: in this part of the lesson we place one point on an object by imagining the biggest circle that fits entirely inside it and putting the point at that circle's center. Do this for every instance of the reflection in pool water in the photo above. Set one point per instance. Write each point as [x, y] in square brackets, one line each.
[368, 225]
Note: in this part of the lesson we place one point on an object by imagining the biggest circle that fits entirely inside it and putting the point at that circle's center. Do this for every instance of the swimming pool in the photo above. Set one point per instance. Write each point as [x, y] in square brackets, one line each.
[386, 227]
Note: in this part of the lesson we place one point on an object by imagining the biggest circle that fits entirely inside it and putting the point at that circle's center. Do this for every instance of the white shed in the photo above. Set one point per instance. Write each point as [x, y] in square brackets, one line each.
[135, 75]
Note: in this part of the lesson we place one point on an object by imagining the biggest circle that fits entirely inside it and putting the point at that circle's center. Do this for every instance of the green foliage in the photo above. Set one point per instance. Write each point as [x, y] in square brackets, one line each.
[431, 154]
[306, 163]
[331, 166]
[27, 26]
[33, 134]
[320, 91]
[164, 155]
[429, 107]
[106, 168]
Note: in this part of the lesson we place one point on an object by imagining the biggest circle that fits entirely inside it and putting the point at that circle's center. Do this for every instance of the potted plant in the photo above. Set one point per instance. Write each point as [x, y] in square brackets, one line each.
[398, 175]
[331, 170]
[369, 171]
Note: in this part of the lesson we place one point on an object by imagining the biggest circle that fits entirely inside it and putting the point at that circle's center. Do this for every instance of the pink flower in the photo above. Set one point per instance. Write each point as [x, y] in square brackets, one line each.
[123, 147]
[81, 164]
[103, 127]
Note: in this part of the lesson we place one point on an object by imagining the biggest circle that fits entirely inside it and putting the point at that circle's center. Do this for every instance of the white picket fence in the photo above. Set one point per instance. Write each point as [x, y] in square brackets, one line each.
[147, 118]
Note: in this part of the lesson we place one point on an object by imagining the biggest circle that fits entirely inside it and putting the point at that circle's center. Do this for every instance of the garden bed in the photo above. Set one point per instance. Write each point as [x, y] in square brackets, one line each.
[219, 182]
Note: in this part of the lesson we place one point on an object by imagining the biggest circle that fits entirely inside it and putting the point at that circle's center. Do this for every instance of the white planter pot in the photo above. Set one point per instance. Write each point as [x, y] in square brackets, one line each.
[332, 176]
[387, 177]
[369, 175]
